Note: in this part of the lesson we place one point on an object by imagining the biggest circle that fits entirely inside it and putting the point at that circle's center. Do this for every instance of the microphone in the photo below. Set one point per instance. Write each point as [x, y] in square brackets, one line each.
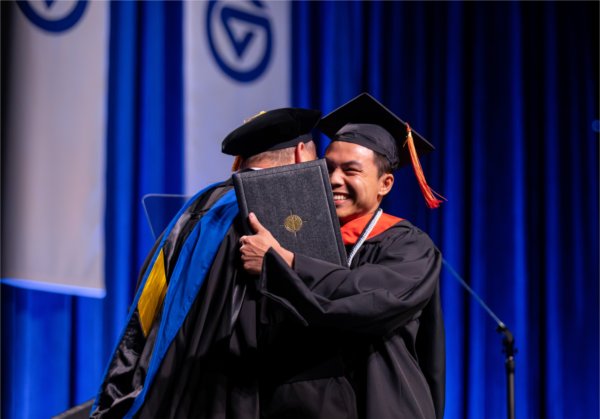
[508, 343]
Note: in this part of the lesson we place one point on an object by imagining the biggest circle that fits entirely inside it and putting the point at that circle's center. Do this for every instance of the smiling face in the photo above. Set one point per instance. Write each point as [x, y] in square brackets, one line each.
[357, 187]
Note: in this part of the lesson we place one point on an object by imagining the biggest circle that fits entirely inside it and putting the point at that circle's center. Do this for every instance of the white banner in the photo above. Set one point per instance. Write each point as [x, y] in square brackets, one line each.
[53, 195]
[237, 63]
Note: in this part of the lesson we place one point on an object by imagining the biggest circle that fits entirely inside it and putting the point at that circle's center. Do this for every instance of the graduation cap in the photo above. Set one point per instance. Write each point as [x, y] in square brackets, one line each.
[366, 122]
[271, 130]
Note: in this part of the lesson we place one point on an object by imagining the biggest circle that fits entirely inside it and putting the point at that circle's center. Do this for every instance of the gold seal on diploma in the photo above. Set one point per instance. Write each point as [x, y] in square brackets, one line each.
[292, 223]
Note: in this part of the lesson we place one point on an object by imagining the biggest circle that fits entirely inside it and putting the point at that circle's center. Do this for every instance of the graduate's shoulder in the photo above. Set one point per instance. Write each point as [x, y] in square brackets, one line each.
[403, 231]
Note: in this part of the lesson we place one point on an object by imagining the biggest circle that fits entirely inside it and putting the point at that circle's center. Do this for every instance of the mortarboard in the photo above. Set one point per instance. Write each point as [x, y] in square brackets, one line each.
[366, 122]
[271, 130]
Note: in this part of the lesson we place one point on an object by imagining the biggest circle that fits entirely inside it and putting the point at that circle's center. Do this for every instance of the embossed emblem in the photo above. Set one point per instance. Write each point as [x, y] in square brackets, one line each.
[53, 15]
[240, 37]
[292, 223]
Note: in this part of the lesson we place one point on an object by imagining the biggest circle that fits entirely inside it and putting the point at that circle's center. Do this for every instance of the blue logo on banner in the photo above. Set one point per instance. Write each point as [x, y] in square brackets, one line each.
[240, 38]
[53, 15]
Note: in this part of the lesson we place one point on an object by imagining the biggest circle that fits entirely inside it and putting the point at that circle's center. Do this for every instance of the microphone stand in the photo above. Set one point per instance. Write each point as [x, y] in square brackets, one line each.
[508, 343]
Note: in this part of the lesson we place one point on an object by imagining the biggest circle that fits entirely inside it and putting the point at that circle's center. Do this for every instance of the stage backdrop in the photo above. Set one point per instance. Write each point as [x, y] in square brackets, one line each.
[53, 203]
[506, 91]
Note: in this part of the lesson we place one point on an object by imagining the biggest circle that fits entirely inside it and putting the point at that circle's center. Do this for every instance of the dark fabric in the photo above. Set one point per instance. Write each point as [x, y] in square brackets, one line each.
[353, 343]
[366, 121]
[209, 370]
[381, 319]
[216, 367]
[228, 365]
[272, 130]
[126, 374]
[372, 137]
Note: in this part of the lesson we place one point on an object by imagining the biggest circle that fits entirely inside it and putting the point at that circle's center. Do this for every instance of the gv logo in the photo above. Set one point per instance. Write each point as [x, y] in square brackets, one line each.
[240, 38]
[53, 15]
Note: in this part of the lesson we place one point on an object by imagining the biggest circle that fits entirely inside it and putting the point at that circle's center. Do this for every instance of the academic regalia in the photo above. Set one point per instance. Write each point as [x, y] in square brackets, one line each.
[190, 328]
[209, 368]
[189, 348]
[377, 327]
[367, 340]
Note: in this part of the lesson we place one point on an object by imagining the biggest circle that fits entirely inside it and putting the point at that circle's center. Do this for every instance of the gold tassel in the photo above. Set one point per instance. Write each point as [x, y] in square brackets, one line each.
[428, 193]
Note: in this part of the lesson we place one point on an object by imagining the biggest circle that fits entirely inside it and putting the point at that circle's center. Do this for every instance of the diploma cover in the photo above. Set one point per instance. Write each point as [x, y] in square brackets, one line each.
[295, 204]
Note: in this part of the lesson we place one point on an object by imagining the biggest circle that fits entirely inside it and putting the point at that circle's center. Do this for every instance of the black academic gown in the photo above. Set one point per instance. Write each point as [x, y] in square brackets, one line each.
[326, 342]
[366, 342]
[210, 369]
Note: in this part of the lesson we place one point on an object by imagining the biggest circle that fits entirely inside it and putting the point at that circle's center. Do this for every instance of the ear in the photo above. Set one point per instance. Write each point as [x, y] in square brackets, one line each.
[299, 153]
[303, 153]
[386, 181]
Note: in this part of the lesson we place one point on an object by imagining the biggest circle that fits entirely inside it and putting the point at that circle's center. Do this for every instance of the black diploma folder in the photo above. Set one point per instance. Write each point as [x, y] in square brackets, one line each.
[295, 204]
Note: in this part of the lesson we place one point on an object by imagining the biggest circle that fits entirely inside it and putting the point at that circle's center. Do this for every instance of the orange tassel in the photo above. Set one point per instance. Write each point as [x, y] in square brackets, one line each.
[428, 193]
[236, 164]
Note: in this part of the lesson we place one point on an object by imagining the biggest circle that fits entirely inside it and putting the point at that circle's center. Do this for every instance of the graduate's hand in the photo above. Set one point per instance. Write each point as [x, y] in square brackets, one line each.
[253, 248]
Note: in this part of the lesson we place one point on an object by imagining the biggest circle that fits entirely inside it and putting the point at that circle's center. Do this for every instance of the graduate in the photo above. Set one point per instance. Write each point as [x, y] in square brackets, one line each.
[366, 340]
[189, 348]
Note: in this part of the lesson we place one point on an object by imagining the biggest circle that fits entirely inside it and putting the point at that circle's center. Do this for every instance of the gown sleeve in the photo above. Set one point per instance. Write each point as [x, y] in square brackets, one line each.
[373, 298]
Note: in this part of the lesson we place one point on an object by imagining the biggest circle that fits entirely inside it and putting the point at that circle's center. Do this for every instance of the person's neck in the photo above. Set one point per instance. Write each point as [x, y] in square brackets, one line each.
[259, 166]
[366, 215]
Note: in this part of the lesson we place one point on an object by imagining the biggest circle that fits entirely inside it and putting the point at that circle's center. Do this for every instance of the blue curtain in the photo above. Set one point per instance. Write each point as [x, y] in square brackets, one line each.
[55, 347]
[508, 94]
